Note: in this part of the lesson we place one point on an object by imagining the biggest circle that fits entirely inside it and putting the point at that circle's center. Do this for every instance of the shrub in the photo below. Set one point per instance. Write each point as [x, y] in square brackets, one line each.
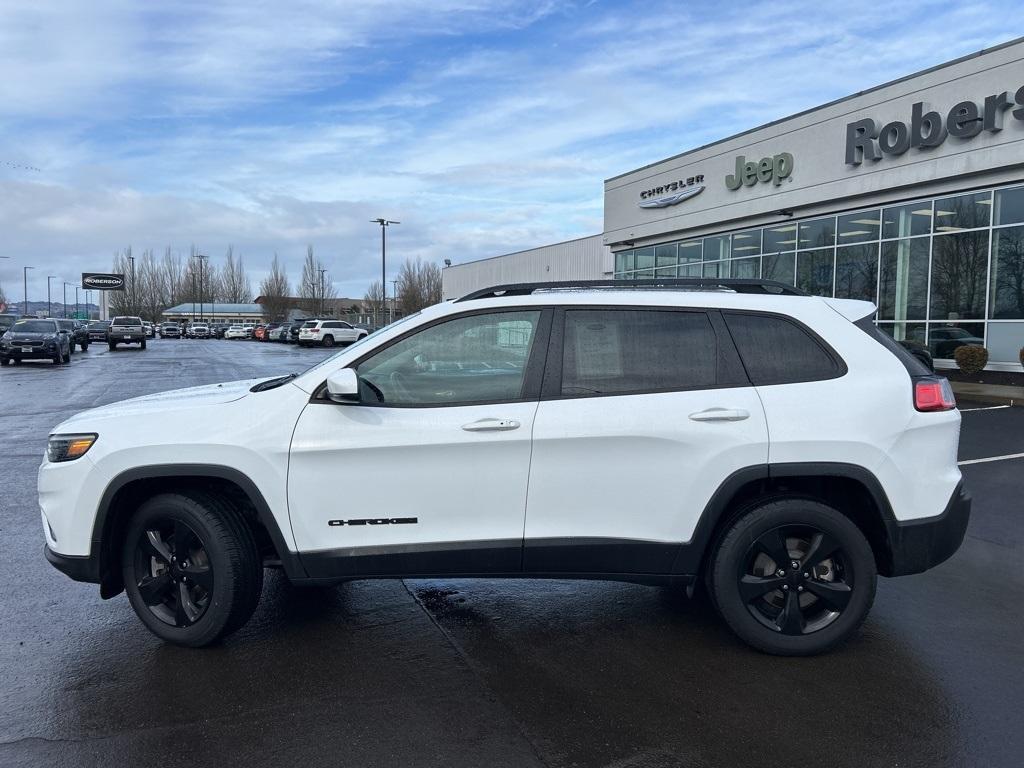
[971, 359]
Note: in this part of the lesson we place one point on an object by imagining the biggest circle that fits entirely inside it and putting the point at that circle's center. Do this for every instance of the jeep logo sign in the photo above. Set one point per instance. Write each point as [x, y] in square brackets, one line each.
[768, 169]
[102, 281]
[865, 140]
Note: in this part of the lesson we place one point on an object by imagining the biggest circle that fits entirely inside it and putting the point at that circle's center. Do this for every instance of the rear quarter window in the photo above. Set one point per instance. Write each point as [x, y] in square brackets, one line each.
[777, 350]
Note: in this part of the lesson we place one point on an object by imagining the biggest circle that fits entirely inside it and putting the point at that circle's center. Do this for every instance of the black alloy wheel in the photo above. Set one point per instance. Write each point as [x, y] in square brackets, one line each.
[191, 567]
[173, 573]
[328, 341]
[794, 580]
[793, 577]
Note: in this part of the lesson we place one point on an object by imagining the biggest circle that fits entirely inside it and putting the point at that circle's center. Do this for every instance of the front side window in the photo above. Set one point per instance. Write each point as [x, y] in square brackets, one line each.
[473, 359]
[622, 351]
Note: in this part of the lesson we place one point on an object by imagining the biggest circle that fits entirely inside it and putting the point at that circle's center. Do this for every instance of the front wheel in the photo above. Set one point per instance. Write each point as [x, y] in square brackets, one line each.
[191, 568]
[112, 345]
[143, 343]
[793, 577]
[85, 347]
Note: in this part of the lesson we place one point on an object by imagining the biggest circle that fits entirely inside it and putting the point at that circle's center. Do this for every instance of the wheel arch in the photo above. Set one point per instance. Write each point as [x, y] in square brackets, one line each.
[851, 489]
[127, 490]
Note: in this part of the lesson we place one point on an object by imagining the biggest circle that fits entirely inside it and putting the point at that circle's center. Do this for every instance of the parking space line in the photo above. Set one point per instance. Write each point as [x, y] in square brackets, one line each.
[992, 458]
[986, 408]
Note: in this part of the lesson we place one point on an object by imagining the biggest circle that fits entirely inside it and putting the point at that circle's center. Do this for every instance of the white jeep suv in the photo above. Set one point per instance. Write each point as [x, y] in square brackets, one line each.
[774, 447]
[327, 333]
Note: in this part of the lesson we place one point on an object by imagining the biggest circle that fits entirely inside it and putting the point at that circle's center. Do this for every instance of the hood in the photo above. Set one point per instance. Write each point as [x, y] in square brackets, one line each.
[22, 336]
[175, 399]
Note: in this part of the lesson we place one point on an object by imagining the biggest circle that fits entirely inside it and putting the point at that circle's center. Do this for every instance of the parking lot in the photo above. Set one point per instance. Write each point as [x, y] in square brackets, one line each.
[492, 673]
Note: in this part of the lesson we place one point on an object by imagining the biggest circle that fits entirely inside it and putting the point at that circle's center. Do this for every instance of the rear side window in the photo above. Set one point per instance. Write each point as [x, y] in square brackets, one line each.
[619, 351]
[775, 350]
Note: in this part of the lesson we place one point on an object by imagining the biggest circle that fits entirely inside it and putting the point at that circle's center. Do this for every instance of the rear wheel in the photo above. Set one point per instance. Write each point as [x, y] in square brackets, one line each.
[112, 345]
[5, 361]
[793, 577]
[143, 343]
[327, 341]
[85, 347]
[191, 568]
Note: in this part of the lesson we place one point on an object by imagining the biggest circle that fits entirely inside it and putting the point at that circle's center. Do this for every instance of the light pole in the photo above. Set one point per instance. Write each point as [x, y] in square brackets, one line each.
[384, 224]
[5, 257]
[64, 307]
[131, 259]
[322, 291]
[202, 257]
[394, 298]
[77, 309]
[49, 309]
[24, 279]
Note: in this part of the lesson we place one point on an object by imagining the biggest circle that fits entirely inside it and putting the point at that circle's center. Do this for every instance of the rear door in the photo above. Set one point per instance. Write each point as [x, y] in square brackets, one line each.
[644, 412]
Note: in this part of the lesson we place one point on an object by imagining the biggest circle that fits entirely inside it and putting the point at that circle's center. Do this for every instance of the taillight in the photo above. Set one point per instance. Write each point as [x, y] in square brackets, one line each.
[933, 393]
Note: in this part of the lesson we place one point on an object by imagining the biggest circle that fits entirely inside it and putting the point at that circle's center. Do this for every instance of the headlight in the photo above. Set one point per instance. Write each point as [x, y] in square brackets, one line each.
[69, 447]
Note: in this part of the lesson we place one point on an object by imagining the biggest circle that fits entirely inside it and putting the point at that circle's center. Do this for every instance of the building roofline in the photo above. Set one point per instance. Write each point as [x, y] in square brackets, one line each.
[961, 59]
[527, 250]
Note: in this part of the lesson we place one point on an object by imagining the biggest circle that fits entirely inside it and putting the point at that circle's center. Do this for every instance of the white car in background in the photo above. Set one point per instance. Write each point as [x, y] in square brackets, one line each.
[236, 332]
[327, 333]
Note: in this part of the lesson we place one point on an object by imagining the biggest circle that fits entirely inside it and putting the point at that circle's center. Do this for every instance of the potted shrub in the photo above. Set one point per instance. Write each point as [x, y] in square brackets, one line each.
[971, 359]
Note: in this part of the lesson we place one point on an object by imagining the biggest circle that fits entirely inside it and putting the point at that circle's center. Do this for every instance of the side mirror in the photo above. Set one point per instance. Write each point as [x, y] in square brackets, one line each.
[343, 386]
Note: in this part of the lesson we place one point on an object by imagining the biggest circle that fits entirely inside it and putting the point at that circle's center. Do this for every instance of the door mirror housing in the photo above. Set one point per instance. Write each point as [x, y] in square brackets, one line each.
[343, 386]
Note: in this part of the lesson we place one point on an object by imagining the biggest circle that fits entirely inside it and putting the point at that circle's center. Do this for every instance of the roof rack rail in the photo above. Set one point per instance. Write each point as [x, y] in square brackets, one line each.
[738, 285]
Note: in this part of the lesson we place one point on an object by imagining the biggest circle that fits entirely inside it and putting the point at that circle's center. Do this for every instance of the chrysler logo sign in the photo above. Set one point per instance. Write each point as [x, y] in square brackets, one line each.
[672, 193]
[102, 281]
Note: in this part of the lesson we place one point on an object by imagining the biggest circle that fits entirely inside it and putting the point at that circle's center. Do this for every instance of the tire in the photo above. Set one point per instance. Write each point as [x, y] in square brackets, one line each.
[327, 341]
[112, 345]
[85, 347]
[222, 594]
[793, 615]
[58, 357]
[67, 357]
[143, 343]
[5, 361]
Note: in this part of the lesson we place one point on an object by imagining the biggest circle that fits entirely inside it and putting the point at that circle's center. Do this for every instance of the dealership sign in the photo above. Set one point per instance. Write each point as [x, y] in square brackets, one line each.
[867, 140]
[672, 193]
[767, 170]
[102, 281]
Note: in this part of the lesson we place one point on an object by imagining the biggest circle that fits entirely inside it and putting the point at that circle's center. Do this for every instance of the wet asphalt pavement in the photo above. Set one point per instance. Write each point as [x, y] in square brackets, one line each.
[492, 673]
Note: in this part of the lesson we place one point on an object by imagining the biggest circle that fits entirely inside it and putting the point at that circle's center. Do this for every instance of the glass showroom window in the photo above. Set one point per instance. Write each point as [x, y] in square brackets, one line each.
[907, 220]
[1009, 206]
[716, 248]
[781, 238]
[857, 272]
[814, 271]
[691, 251]
[963, 212]
[817, 233]
[860, 227]
[1007, 285]
[959, 275]
[665, 260]
[623, 262]
[903, 283]
[746, 243]
[644, 262]
[780, 267]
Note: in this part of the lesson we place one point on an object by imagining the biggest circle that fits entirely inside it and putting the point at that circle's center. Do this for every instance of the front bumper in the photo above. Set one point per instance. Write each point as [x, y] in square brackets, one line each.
[36, 354]
[917, 545]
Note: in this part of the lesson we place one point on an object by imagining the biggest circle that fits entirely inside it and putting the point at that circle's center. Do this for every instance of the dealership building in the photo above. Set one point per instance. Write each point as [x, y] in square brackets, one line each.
[909, 195]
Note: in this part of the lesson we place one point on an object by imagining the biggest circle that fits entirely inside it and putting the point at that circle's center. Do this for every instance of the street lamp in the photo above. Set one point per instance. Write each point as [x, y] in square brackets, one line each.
[24, 278]
[78, 311]
[384, 224]
[394, 299]
[49, 309]
[132, 260]
[322, 291]
[202, 257]
[64, 313]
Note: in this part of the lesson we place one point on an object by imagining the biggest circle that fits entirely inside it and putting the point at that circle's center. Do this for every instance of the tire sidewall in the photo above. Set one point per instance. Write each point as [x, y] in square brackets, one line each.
[748, 528]
[218, 612]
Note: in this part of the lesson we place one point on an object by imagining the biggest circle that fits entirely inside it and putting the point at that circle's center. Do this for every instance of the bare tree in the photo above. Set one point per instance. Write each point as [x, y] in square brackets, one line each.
[3, 299]
[275, 290]
[373, 302]
[315, 289]
[234, 283]
[419, 285]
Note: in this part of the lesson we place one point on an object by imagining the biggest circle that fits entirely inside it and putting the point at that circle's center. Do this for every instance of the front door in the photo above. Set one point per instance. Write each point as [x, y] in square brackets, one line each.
[645, 411]
[427, 473]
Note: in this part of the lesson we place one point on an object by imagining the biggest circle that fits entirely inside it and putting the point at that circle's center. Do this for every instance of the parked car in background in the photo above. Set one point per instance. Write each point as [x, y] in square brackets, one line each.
[943, 340]
[170, 331]
[327, 333]
[293, 331]
[235, 332]
[98, 330]
[126, 329]
[920, 351]
[150, 332]
[257, 332]
[77, 331]
[217, 330]
[281, 333]
[8, 319]
[35, 339]
[199, 331]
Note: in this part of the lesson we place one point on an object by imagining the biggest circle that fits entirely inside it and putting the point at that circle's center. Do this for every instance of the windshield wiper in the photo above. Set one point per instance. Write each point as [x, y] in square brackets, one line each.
[263, 386]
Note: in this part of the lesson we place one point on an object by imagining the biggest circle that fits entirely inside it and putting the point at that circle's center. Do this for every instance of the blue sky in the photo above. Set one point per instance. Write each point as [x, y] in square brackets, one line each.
[484, 126]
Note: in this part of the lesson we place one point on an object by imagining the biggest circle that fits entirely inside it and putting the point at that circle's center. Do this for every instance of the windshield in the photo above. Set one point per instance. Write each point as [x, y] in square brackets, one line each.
[362, 342]
[99, 325]
[127, 321]
[35, 326]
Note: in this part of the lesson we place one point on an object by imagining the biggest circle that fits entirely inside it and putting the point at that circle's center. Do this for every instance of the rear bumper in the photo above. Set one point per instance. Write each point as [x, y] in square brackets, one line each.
[918, 545]
[85, 568]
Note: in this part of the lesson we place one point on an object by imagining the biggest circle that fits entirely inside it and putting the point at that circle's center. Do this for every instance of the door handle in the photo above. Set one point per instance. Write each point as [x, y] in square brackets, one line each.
[491, 425]
[720, 414]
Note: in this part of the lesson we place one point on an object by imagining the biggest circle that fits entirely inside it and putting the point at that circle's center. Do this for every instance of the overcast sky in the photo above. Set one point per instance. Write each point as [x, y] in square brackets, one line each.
[484, 126]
